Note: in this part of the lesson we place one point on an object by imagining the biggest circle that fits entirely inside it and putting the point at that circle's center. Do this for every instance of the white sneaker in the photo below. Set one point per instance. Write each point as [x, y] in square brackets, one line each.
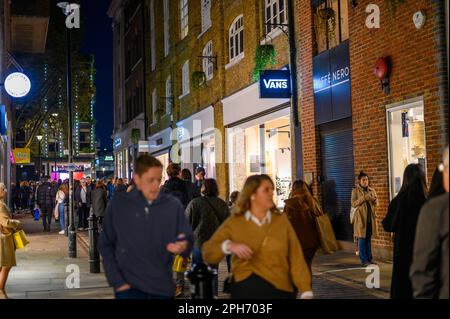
[61, 232]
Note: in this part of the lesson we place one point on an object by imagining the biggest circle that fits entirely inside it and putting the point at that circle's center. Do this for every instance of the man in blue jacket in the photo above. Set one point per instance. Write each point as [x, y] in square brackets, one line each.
[143, 230]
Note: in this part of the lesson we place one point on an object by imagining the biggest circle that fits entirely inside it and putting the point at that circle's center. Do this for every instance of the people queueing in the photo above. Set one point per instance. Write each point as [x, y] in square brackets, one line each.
[83, 204]
[46, 195]
[302, 208]
[401, 219]
[267, 258]
[364, 202]
[429, 269]
[7, 249]
[205, 215]
[142, 231]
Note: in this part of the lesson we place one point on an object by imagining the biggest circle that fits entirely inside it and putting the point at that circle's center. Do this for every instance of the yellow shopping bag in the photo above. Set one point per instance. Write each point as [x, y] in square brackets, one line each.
[20, 239]
[180, 264]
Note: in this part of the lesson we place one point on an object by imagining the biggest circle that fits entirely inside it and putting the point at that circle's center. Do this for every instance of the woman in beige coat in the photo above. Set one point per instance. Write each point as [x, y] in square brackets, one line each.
[7, 249]
[364, 202]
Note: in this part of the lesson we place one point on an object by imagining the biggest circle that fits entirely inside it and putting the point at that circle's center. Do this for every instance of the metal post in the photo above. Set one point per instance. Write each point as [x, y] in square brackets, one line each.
[144, 61]
[94, 257]
[294, 89]
[72, 231]
[40, 162]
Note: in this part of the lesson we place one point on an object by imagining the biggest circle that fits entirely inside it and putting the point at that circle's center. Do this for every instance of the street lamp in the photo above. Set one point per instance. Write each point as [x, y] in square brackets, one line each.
[55, 115]
[39, 138]
[72, 231]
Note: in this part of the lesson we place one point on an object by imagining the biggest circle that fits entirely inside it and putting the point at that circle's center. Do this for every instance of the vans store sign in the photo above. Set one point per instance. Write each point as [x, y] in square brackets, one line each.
[274, 84]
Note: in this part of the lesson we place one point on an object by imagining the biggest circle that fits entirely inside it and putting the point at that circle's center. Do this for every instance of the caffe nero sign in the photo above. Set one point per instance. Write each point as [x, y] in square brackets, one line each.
[275, 84]
[332, 84]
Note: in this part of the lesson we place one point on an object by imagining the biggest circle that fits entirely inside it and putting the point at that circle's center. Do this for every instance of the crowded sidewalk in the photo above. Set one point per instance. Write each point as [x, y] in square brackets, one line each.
[41, 272]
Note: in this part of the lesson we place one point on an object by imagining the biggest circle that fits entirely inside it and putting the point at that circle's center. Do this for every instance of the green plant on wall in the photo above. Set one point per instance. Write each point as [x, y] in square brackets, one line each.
[265, 56]
[135, 135]
[393, 4]
[198, 79]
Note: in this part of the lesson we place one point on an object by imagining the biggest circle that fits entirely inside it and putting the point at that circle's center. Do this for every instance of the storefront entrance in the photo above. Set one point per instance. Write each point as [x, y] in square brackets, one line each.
[263, 148]
[338, 177]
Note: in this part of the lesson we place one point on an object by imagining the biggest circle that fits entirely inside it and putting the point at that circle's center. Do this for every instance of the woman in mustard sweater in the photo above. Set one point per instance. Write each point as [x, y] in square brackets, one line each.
[267, 259]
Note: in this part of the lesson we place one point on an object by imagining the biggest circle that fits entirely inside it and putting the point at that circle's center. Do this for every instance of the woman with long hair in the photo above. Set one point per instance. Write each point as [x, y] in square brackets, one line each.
[7, 250]
[62, 197]
[401, 219]
[302, 209]
[364, 203]
[267, 259]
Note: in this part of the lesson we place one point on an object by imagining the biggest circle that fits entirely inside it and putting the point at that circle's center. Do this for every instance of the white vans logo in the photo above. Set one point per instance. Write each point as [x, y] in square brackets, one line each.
[276, 84]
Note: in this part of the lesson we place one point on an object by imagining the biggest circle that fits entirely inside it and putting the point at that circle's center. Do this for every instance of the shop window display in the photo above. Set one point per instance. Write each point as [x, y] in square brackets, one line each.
[262, 149]
[406, 141]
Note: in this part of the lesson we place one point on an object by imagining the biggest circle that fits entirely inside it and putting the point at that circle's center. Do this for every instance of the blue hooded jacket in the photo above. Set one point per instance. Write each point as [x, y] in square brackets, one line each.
[134, 239]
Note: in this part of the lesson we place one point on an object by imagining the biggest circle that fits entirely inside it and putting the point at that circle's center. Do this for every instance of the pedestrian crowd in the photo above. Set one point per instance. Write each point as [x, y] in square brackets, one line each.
[153, 231]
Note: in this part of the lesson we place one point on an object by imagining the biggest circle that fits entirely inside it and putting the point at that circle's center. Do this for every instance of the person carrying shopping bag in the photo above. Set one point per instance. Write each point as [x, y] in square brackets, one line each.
[7, 248]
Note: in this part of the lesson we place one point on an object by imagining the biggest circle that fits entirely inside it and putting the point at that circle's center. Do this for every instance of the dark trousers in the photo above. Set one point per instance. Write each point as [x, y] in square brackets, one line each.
[197, 259]
[47, 212]
[309, 256]
[255, 287]
[137, 294]
[365, 246]
[83, 214]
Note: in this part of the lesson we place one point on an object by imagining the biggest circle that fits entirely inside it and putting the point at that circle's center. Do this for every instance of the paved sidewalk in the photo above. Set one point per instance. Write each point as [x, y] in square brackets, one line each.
[41, 268]
[41, 272]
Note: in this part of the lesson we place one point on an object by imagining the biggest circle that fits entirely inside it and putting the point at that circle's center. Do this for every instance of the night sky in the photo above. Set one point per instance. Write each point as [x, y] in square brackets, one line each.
[97, 40]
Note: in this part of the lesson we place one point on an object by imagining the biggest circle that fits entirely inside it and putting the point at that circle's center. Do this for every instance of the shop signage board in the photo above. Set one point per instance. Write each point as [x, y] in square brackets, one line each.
[332, 97]
[21, 155]
[275, 84]
[3, 120]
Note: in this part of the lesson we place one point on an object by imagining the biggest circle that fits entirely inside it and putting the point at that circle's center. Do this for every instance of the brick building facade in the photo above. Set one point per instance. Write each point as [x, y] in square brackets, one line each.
[418, 98]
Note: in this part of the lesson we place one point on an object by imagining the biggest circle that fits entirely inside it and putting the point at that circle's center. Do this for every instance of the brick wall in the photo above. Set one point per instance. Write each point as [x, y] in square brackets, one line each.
[418, 71]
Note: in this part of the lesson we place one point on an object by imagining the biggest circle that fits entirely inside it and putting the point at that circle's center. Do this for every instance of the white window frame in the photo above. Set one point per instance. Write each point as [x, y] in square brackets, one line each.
[184, 18]
[206, 15]
[208, 65]
[169, 95]
[280, 17]
[166, 6]
[154, 106]
[153, 34]
[185, 79]
[391, 108]
[235, 34]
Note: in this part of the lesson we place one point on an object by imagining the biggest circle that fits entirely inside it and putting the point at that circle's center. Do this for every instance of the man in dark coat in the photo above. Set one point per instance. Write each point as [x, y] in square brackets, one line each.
[200, 174]
[83, 204]
[176, 186]
[46, 197]
[429, 270]
[143, 231]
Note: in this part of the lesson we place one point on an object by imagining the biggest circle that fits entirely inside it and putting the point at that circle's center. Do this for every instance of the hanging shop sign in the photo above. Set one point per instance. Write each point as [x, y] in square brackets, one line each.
[275, 84]
[332, 97]
[117, 142]
[21, 155]
[17, 84]
[3, 120]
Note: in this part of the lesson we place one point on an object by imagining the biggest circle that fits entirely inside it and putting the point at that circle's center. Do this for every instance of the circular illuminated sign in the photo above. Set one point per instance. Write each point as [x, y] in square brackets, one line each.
[17, 84]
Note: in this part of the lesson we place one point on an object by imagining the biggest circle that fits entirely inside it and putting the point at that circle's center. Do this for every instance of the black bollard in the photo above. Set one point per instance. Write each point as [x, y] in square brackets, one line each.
[94, 257]
[201, 278]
